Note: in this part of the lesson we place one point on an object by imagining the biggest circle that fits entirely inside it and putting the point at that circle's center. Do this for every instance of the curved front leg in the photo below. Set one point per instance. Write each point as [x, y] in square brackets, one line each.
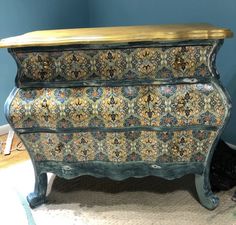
[38, 197]
[205, 194]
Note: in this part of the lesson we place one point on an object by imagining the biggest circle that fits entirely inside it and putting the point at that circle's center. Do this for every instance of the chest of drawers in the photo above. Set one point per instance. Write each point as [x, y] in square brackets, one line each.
[119, 102]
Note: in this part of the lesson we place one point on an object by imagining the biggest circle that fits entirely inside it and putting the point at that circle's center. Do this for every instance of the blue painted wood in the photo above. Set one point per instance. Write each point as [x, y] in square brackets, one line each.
[111, 83]
[38, 197]
[111, 130]
[120, 171]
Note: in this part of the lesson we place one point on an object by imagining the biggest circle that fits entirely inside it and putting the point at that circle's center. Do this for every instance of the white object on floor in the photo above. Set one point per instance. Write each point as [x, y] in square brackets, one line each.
[10, 136]
[4, 129]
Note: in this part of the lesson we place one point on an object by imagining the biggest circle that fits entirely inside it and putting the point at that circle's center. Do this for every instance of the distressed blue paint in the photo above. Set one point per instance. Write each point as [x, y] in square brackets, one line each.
[111, 83]
[120, 171]
[102, 129]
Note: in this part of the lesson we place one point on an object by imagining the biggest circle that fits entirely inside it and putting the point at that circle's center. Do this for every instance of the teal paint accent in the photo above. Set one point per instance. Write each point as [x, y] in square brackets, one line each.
[102, 129]
[112, 83]
[120, 171]
[205, 195]
[27, 209]
[18, 17]
[38, 197]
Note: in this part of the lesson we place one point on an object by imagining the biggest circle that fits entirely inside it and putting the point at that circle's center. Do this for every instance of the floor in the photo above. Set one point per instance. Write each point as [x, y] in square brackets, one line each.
[100, 201]
[18, 152]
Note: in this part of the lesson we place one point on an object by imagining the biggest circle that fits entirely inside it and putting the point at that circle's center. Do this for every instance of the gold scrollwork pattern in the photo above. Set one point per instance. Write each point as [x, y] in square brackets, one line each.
[118, 147]
[115, 64]
[118, 107]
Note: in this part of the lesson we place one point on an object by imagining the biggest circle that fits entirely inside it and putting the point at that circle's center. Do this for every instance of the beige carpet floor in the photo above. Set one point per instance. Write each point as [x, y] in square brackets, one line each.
[91, 201]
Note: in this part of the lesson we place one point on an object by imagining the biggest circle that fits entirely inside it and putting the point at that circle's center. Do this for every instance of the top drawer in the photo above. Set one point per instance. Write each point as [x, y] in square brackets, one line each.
[111, 65]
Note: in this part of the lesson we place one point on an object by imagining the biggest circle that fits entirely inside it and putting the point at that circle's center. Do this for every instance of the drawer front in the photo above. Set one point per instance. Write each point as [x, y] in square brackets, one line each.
[148, 146]
[113, 64]
[118, 107]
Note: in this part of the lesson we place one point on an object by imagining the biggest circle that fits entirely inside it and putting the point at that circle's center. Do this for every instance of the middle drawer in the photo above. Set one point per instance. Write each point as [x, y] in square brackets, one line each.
[118, 107]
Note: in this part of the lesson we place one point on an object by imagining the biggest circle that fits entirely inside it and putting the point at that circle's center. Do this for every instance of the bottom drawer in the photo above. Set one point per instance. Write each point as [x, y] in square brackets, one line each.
[118, 147]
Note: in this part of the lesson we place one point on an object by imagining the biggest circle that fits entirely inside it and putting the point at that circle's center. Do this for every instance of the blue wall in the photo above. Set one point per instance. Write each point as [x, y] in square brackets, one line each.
[217, 12]
[19, 16]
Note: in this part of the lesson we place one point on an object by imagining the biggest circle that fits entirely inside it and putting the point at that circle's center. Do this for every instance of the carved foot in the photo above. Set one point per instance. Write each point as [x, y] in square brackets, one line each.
[35, 200]
[205, 195]
[234, 197]
[38, 197]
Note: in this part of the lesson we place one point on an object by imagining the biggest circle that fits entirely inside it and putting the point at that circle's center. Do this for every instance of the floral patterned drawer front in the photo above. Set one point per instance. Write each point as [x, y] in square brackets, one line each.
[115, 107]
[114, 64]
[149, 146]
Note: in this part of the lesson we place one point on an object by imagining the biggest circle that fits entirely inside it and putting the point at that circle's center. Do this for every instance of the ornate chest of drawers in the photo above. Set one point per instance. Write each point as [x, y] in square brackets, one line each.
[119, 102]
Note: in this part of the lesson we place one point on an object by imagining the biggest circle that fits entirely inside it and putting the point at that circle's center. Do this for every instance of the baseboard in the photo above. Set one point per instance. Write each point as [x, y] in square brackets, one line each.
[231, 146]
[4, 129]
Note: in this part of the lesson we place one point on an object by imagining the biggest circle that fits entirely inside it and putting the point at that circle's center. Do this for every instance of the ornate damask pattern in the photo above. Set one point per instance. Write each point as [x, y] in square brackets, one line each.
[147, 146]
[118, 107]
[114, 64]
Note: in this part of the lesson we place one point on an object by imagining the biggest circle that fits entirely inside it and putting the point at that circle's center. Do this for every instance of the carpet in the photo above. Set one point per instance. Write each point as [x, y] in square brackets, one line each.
[91, 201]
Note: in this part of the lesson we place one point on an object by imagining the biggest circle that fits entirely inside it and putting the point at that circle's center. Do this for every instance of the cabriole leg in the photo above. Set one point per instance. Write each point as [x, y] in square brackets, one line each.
[205, 194]
[38, 197]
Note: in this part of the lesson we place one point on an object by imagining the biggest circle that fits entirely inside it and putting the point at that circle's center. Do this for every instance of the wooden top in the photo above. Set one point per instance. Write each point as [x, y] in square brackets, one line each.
[107, 35]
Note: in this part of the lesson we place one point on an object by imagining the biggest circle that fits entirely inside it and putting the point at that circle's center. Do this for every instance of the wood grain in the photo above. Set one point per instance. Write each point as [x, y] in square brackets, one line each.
[123, 34]
[18, 153]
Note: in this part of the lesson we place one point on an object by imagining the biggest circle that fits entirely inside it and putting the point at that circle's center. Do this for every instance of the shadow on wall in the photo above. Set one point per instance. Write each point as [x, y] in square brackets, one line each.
[229, 134]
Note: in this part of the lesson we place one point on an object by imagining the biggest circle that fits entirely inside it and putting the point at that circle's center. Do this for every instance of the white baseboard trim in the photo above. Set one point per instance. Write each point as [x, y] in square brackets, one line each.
[4, 129]
[231, 146]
